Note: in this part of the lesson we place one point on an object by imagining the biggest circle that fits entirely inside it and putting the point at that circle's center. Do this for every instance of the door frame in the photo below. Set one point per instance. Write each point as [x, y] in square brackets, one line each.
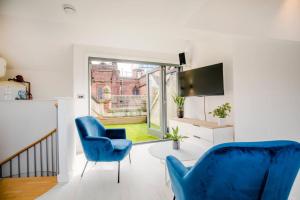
[163, 116]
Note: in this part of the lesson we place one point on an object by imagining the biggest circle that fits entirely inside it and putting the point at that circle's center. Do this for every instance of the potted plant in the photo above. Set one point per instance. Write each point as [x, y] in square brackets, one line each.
[180, 105]
[221, 112]
[175, 137]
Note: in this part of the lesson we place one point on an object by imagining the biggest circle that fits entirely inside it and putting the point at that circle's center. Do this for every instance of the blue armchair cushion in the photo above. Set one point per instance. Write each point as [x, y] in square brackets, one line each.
[100, 144]
[121, 144]
[244, 171]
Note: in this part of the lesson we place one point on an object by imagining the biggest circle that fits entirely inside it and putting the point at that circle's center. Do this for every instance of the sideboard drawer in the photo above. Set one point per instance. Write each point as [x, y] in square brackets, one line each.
[203, 133]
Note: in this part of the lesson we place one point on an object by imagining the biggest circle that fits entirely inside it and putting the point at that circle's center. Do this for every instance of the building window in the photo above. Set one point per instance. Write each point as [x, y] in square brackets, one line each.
[135, 90]
[100, 93]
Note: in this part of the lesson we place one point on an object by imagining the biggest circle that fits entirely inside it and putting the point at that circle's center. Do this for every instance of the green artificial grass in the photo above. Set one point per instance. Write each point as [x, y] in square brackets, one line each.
[135, 132]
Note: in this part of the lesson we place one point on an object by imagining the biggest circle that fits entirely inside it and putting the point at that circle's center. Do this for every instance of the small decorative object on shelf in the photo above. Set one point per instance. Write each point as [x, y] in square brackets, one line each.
[221, 112]
[180, 105]
[23, 96]
[175, 137]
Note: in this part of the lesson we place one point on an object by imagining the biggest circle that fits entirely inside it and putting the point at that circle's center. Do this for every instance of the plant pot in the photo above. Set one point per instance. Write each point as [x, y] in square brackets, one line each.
[176, 145]
[180, 113]
[221, 121]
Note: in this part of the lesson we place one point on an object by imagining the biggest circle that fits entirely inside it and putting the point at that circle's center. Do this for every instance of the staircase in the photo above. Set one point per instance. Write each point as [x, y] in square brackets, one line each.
[36, 160]
[35, 168]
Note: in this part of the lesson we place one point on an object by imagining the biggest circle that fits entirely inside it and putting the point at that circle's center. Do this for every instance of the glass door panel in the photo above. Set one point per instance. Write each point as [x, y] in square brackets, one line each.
[154, 101]
[162, 86]
[171, 90]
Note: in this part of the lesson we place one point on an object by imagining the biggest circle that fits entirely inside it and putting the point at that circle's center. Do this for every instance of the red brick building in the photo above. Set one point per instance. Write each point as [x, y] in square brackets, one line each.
[107, 79]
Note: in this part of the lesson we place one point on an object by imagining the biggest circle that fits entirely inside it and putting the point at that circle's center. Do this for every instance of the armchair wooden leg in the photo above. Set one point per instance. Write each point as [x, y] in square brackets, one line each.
[84, 168]
[129, 158]
[118, 171]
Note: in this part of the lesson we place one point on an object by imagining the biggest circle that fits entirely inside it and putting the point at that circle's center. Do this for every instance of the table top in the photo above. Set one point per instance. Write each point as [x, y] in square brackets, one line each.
[187, 151]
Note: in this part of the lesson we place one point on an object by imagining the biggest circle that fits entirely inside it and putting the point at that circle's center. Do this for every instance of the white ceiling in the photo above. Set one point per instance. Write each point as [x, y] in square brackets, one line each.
[260, 18]
[97, 11]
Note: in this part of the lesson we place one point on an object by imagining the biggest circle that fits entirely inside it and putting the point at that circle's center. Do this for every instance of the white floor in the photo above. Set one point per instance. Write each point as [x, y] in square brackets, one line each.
[144, 179]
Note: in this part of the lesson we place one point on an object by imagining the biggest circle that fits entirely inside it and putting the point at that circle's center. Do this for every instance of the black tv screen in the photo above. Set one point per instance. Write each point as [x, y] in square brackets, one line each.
[204, 81]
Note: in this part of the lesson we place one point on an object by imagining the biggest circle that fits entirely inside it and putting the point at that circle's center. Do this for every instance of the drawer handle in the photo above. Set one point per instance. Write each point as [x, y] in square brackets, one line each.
[195, 136]
[196, 125]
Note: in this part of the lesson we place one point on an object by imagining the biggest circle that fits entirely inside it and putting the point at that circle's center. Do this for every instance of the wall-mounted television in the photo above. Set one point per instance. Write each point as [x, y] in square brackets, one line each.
[203, 81]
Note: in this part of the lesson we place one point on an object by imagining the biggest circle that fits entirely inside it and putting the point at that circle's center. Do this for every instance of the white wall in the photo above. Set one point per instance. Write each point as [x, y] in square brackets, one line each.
[43, 56]
[24, 122]
[266, 90]
[269, 18]
[206, 52]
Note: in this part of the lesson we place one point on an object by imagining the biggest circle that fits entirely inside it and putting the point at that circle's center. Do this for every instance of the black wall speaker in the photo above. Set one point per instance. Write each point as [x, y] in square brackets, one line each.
[182, 59]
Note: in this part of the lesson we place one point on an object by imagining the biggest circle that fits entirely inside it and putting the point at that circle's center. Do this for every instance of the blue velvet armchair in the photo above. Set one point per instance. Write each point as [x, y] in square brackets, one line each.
[242, 170]
[100, 144]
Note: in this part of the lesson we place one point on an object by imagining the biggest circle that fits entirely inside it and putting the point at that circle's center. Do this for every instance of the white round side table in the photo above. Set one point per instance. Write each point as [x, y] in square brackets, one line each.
[187, 152]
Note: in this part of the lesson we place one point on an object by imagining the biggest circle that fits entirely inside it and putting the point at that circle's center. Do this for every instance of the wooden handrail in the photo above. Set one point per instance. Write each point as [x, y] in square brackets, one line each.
[28, 147]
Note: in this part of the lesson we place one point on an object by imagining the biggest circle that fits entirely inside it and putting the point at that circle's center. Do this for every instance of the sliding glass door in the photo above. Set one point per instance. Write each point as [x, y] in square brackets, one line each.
[171, 91]
[162, 86]
[134, 95]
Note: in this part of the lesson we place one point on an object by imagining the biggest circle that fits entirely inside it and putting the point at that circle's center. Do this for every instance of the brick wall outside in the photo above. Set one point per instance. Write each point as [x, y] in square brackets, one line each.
[106, 77]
